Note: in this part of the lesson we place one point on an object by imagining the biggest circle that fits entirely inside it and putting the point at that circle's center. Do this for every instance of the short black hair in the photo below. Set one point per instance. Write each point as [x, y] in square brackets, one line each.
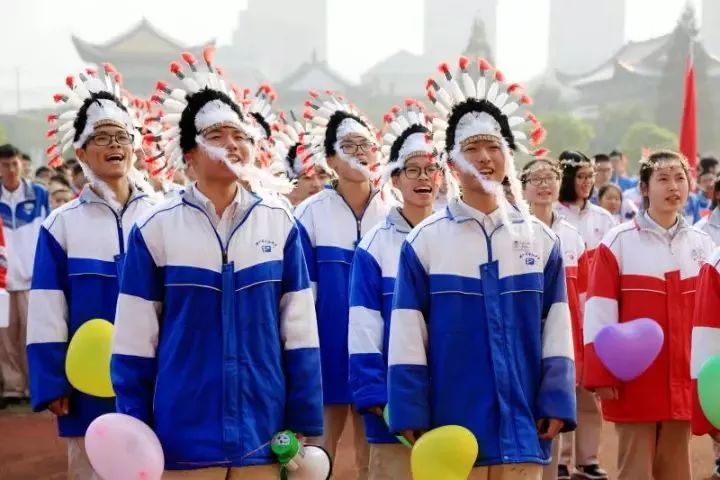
[601, 157]
[8, 151]
[81, 118]
[40, 170]
[707, 163]
[475, 105]
[77, 169]
[332, 127]
[26, 157]
[195, 102]
[615, 153]
[71, 162]
[60, 179]
[610, 186]
[567, 185]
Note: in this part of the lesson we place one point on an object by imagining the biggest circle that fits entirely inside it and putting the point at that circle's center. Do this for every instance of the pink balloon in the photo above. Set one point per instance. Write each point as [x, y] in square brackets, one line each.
[121, 447]
[627, 349]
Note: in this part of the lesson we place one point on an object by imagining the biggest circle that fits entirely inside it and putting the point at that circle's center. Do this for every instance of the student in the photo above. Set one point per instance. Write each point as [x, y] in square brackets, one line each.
[80, 251]
[215, 310]
[23, 207]
[610, 197]
[541, 186]
[704, 195]
[332, 223]
[414, 171]
[619, 163]
[647, 269]
[711, 223]
[480, 332]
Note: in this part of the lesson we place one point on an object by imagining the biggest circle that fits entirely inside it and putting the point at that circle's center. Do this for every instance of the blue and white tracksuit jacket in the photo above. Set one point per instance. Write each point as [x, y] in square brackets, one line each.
[330, 232]
[480, 333]
[216, 344]
[78, 261]
[371, 292]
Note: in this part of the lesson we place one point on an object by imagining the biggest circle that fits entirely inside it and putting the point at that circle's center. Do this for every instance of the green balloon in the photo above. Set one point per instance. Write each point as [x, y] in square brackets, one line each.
[401, 439]
[709, 390]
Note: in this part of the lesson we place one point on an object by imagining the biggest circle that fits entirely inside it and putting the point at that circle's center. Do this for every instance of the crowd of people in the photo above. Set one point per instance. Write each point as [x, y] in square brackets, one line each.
[266, 271]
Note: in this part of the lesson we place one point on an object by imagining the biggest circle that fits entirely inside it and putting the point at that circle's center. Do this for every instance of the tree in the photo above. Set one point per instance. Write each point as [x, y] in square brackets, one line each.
[566, 132]
[613, 122]
[646, 135]
[671, 87]
[478, 46]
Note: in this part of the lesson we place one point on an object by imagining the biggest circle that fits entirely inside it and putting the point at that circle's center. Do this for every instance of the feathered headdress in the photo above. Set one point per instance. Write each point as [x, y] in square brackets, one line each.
[483, 105]
[207, 101]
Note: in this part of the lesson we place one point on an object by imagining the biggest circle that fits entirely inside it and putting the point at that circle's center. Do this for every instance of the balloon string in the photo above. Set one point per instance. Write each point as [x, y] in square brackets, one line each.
[266, 444]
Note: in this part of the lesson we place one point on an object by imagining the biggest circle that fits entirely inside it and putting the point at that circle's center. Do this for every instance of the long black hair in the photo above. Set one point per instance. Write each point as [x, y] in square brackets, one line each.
[571, 161]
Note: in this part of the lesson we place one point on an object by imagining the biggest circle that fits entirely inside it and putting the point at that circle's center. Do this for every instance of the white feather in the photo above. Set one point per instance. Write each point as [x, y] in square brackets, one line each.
[510, 108]
[481, 85]
[492, 92]
[515, 121]
[501, 99]
[65, 126]
[519, 135]
[173, 105]
[455, 90]
[68, 136]
[179, 94]
[172, 118]
[468, 85]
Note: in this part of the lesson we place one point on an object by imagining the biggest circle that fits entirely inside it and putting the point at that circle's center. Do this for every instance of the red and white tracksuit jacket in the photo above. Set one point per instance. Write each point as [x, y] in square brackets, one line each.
[705, 334]
[576, 271]
[641, 270]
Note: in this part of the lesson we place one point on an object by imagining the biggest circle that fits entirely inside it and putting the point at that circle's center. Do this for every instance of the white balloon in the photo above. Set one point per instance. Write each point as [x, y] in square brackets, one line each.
[313, 463]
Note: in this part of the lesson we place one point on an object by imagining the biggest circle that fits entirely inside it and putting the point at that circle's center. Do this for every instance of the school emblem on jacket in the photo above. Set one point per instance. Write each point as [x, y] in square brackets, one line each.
[521, 245]
[698, 255]
[28, 208]
[529, 258]
[266, 246]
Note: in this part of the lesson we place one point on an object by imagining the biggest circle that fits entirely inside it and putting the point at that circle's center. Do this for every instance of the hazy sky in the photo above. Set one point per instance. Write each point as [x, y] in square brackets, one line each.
[35, 35]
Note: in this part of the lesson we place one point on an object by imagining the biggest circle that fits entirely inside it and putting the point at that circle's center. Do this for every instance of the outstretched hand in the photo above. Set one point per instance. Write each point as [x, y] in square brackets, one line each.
[548, 428]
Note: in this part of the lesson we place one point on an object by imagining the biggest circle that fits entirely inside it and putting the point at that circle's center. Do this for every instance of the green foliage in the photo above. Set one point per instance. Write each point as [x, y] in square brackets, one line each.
[566, 132]
[646, 135]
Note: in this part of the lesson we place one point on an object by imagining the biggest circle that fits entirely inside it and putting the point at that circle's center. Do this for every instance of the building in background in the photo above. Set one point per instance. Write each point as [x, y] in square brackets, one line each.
[710, 25]
[584, 33]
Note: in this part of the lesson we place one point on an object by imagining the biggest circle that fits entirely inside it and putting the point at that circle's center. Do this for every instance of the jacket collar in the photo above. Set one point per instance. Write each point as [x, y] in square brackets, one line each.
[460, 211]
[396, 219]
[644, 222]
[88, 195]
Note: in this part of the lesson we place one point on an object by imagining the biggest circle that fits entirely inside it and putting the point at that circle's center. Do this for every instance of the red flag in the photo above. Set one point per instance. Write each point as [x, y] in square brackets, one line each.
[688, 125]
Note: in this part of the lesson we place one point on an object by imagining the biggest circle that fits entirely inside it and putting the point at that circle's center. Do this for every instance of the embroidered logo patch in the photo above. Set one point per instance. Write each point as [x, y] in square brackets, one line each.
[698, 255]
[266, 246]
[529, 258]
[28, 207]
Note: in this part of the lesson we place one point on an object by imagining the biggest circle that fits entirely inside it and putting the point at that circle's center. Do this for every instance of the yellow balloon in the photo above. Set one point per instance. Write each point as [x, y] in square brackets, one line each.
[445, 453]
[87, 363]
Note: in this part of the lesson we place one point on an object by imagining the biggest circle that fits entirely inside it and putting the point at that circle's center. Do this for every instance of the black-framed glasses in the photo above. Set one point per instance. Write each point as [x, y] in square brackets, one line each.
[413, 173]
[583, 177]
[106, 139]
[547, 180]
[352, 148]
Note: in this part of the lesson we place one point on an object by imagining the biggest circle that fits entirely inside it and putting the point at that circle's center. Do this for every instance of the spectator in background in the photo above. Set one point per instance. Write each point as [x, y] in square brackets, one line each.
[60, 197]
[63, 170]
[23, 207]
[704, 195]
[58, 182]
[610, 198]
[603, 174]
[27, 167]
[78, 179]
[619, 164]
[43, 174]
[708, 164]
[711, 223]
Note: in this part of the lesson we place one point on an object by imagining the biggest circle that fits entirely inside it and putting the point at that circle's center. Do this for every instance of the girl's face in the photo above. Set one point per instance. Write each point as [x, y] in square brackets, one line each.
[584, 181]
[668, 187]
[611, 201]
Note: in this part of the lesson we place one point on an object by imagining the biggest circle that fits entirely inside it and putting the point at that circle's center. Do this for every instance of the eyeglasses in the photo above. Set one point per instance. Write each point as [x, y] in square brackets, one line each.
[352, 148]
[105, 139]
[547, 180]
[413, 173]
[585, 176]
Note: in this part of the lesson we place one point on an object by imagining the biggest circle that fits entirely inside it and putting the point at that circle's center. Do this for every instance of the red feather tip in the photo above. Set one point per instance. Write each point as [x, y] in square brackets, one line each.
[273, 96]
[188, 57]
[220, 71]
[91, 71]
[51, 118]
[409, 102]
[395, 109]
[499, 76]
[537, 135]
[282, 116]
[150, 138]
[430, 95]
[108, 67]
[541, 152]
[484, 65]
[156, 99]
[513, 87]
[209, 54]
[55, 161]
[387, 118]
[118, 78]
[532, 119]
[342, 99]
[313, 94]
[308, 114]
[51, 148]
[328, 92]
[175, 67]
[444, 68]
[70, 81]
[50, 133]
[161, 85]
[526, 100]
[430, 83]
[265, 88]
[463, 62]
[58, 97]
